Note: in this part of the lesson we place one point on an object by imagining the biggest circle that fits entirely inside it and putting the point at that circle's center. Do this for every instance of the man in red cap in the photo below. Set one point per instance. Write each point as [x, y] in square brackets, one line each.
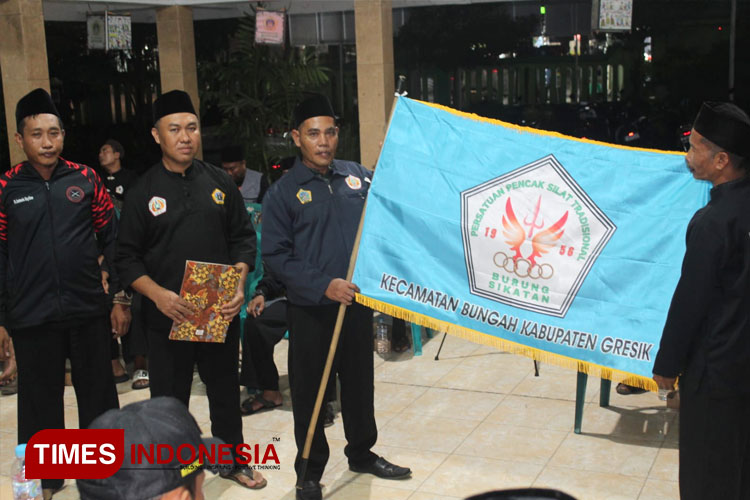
[706, 339]
[56, 219]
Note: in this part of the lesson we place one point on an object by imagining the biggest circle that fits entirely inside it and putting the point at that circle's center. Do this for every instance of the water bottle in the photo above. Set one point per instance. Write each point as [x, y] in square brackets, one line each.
[382, 343]
[23, 488]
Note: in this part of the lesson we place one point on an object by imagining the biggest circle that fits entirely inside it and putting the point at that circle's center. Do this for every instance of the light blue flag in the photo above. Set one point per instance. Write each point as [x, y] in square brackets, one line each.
[562, 249]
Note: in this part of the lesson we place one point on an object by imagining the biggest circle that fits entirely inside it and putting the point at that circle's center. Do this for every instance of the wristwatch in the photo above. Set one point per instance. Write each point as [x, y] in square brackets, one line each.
[123, 297]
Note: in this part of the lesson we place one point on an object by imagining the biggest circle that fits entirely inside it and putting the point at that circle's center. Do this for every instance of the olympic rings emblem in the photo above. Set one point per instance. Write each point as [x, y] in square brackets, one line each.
[523, 268]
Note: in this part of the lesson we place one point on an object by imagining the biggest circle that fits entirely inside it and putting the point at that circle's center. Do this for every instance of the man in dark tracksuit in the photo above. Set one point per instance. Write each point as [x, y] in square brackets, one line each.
[706, 339]
[310, 220]
[184, 209]
[56, 219]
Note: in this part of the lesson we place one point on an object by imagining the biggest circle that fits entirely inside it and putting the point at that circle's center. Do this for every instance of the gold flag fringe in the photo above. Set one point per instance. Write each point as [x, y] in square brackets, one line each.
[509, 346]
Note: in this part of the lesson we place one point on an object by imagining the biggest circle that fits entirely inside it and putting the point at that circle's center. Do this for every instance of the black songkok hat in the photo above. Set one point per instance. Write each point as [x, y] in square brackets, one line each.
[174, 101]
[35, 102]
[162, 420]
[232, 153]
[725, 125]
[316, 105]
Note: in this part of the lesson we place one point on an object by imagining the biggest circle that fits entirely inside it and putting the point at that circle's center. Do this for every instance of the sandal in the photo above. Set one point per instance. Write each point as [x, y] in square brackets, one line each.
[9, 387]
[139, 377]
[627, 390]
[9, 379]
[255, 476]
[246, 407]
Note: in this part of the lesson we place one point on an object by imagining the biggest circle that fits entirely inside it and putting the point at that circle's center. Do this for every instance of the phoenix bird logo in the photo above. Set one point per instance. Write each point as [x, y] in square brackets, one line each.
[541, 243]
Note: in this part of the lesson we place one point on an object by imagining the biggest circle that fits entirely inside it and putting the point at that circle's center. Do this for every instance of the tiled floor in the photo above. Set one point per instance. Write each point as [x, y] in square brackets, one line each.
[475, 420]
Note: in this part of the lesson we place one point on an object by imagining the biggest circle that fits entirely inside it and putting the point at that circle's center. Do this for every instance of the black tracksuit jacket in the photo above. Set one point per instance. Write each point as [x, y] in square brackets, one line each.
[51, 235]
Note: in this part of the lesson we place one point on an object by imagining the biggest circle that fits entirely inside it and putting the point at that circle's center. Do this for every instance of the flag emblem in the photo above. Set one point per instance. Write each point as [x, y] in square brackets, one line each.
[531, 236]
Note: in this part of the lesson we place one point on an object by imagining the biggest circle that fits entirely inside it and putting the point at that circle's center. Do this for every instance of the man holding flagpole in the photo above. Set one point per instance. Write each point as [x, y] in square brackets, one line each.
[706, 339]
[310, 223]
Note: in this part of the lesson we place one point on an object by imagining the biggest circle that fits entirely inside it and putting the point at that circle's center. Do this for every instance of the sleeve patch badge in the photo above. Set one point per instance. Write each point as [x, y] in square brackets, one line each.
[218, 196]
[157, 206]
[304, 196]
[354, 182]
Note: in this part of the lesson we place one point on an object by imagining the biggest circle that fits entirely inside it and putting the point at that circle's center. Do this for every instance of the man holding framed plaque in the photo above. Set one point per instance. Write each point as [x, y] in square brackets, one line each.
[182, 210]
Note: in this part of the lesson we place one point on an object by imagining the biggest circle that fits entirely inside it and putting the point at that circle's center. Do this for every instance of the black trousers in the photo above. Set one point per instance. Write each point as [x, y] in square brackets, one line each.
[714, 446]
[40, 354]
[261, 336]
[171, 365]
[310, 333]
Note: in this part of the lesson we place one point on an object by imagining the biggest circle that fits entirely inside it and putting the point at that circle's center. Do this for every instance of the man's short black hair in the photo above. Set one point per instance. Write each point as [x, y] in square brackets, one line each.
[116, 147]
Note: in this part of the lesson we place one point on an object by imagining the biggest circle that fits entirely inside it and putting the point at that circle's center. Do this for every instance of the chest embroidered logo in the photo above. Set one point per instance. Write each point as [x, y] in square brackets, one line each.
[354, 182]
[304, 196]
[74, 194]
[157, 206]
[218, 196]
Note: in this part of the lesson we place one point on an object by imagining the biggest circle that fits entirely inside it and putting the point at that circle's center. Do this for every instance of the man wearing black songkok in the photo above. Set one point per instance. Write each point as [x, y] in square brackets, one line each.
[310, 220]
[185, 209]
[56, 219]
[252, 184]
[706, 338]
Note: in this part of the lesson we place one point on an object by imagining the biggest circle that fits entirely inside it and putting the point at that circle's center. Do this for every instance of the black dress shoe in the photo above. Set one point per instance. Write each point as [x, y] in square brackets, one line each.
[382, 468]
[310, 491]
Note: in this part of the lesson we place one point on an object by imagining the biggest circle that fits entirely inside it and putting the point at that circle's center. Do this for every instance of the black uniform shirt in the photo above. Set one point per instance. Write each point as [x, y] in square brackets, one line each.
[309, 226]
[707, 333]
[169, 218]
[118, 184]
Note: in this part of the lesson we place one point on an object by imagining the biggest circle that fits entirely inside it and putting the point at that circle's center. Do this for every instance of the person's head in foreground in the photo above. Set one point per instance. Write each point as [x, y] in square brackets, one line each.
[315, 132]
[719, 143]
[161, 420]
[523, 494]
